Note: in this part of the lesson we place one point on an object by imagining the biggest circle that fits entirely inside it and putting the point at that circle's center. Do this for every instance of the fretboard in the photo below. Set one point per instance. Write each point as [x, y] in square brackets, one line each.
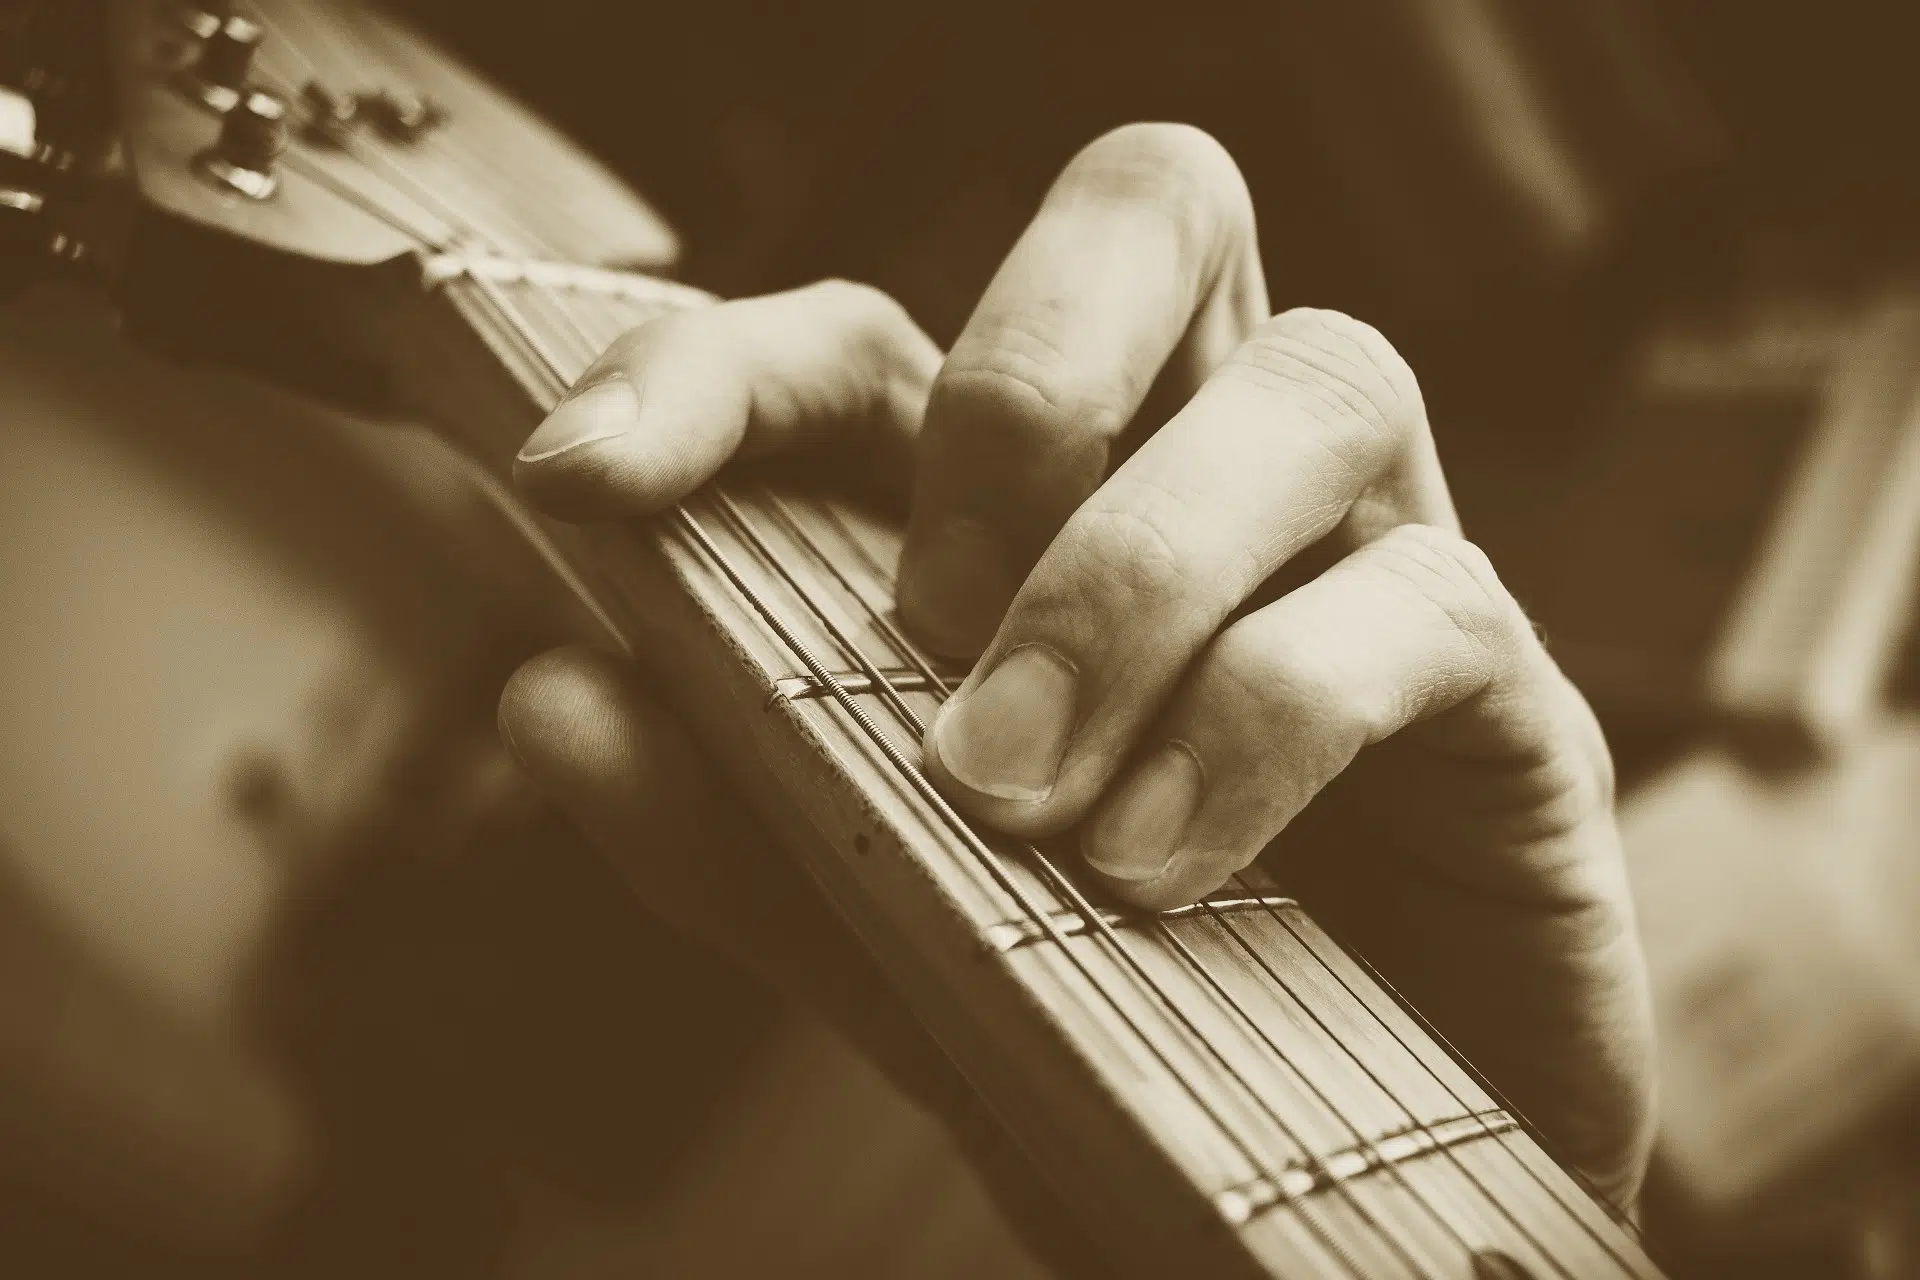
[1217, 1090]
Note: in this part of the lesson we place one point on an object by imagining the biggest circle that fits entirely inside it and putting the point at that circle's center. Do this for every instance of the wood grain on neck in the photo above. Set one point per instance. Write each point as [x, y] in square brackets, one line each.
[1220, 1091]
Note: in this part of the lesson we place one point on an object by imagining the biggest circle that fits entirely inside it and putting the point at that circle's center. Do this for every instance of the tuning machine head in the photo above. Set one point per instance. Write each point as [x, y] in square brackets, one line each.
[37, 187]
[253, 133]
[217, 73]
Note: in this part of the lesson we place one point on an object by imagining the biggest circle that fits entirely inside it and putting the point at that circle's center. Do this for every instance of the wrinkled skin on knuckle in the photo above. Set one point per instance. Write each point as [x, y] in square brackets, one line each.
[1018, 370]
[1341, 370]
[1456, 577]
[1004, 450]
[1129, 566]
[898, 358]
[1293, 698]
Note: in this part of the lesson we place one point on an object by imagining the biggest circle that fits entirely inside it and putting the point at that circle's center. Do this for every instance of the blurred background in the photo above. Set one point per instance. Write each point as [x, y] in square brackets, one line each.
[297, 977]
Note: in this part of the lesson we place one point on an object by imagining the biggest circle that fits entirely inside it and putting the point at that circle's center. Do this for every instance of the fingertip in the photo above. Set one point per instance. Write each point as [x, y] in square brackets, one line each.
[590, 415]
[551, 708]
[1029, 817]
[1186, 880]
[587, 732]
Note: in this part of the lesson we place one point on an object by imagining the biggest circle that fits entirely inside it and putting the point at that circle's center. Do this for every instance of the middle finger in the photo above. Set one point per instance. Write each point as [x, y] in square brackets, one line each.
[1141, 265]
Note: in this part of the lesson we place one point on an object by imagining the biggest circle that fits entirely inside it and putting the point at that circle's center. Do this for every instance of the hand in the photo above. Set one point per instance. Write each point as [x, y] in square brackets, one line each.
[1210, 566]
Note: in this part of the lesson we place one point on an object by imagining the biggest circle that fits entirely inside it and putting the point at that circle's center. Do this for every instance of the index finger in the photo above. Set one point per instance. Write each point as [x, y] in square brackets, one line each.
[1141, 265]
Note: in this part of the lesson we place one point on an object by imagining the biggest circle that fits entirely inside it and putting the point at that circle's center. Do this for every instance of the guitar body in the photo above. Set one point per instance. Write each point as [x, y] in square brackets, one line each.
[1218, 1091]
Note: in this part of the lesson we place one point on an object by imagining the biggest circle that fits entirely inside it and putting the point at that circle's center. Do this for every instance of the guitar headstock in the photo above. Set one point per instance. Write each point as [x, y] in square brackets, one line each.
[285, 163]
[332, 132]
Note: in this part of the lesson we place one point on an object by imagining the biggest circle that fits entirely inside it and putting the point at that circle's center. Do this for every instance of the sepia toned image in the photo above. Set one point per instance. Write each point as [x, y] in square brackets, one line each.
[887, 640]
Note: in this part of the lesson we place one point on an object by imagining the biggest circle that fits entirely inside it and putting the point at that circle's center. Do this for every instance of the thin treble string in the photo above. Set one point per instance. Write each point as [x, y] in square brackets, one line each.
[1474, 1073]
[795, 530]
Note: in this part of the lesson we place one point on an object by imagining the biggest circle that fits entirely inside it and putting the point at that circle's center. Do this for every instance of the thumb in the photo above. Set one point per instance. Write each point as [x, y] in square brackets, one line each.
[589, 733]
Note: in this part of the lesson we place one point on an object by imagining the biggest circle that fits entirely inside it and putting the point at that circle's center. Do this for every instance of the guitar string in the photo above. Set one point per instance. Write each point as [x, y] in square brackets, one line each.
[881, 682]
[909, 652]
[516, 328]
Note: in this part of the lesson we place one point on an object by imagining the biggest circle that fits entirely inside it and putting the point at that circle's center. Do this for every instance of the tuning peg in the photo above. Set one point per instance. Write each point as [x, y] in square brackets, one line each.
[252, 136]
[330, 115]
[218, 76]
[33, 180]
[401, 114]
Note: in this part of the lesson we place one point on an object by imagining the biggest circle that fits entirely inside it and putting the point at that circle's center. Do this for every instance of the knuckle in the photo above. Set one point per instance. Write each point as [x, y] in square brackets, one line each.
[1455, 576]
[635, 346]
[866, 307]
[1132, 552]
[1019, 375]
[1177, 169]
[1295, 682]
[1344, 371]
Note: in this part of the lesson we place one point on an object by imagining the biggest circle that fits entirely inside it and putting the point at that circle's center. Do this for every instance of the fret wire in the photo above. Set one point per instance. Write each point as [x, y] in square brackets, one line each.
[894, 636]
[684, 518]
[1008, 935]
[1099, 923]
[1412, 1116]
[1360, 1137]
[1504, 1210]
[882, 686]
[1466, 1065]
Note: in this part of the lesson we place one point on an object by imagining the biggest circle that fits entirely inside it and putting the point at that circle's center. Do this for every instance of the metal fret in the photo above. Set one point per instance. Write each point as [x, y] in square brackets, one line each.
[1306, 1178]
[1009, 935]
[805, 688]
[561, 278]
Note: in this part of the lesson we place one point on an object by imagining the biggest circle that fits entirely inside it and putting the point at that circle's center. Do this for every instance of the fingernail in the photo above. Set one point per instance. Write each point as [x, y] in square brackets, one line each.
[1008, 736]
[600, 412]
[1136, 836]
[957, 587]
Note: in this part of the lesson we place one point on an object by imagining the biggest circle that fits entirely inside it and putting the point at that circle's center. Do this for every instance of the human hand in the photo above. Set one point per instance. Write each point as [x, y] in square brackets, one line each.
[1211, 570]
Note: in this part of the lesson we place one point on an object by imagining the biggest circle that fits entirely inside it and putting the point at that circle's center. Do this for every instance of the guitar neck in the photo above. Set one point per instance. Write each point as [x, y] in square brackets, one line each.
[1220, 1090]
